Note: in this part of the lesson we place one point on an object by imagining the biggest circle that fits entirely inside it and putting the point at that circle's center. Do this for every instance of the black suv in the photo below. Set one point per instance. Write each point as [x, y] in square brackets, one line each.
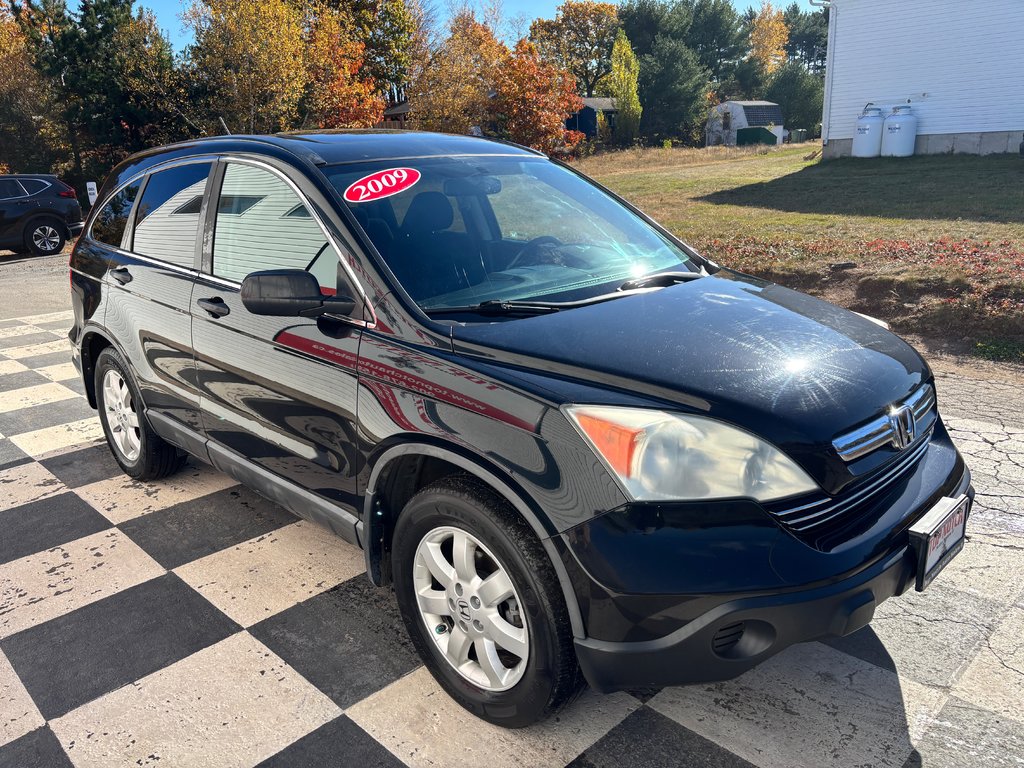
[576, 448]
[38, 213]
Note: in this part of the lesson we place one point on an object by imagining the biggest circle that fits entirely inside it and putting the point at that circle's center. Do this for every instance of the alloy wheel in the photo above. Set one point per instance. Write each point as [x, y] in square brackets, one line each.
[45, 238]
[122, 418]
[471, 608]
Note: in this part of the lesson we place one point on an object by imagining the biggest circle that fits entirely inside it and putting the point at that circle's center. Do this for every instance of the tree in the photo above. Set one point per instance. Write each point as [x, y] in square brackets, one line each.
[30, 137]
[579, 39]
[247, 61]
[452, 92]
[808, 36]
[673, 90]
[644, 20]
[532, 99]
[387, 31]
[768, 38]
[715, 35]
[799, 93]
[339, 94]
[623, 89]
[155, 91]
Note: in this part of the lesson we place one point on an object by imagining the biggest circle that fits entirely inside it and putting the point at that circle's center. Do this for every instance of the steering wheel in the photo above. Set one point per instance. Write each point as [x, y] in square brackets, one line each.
[532, 245]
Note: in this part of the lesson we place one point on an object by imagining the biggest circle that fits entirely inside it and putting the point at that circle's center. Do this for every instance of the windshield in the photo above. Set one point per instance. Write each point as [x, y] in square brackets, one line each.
[460, 231]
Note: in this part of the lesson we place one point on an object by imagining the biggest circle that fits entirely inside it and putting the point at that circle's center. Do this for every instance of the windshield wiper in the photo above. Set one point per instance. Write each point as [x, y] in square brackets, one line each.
[497, 307]
[659, 280]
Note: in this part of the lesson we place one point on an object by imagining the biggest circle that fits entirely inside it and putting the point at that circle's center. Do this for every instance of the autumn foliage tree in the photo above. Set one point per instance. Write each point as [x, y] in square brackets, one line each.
[622, 85]
[339, 94]
[579, 39]
[248, 62]
[532, 100]
[768, 38]
[453, 91]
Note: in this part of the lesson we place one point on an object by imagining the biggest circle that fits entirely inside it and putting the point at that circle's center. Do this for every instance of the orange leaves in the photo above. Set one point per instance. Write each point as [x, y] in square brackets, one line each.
[579, 39]
[533, 99]
[338, 95]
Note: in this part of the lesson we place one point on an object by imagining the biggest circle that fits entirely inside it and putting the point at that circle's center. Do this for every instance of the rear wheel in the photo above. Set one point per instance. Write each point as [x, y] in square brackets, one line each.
[45, 237]
[482, 604]
[142, 453]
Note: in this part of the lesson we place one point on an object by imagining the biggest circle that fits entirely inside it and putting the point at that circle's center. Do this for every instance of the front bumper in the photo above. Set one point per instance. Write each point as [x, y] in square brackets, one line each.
[736, 635]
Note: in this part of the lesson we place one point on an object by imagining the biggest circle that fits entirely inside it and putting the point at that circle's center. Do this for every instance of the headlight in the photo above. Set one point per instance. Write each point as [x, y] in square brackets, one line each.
[660, 456]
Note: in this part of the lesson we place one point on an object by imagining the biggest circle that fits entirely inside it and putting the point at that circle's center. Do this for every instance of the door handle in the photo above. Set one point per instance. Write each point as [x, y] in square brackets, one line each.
[215, 306]
[121, 275]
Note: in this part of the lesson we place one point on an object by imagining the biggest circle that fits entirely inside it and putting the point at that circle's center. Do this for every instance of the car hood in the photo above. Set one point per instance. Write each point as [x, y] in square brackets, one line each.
[790, 368]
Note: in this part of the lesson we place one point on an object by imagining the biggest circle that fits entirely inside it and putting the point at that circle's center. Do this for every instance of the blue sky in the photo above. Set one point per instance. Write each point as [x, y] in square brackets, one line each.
[168, 13]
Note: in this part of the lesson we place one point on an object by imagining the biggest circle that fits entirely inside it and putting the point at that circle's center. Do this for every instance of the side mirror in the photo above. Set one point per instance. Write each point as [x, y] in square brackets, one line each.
[290, 293]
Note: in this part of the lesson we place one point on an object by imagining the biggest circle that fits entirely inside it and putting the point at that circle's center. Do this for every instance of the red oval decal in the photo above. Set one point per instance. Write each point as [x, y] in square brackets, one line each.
[381, 184]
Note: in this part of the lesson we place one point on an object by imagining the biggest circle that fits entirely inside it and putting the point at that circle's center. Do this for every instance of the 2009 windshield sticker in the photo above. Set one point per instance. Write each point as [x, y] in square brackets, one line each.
[381, 184]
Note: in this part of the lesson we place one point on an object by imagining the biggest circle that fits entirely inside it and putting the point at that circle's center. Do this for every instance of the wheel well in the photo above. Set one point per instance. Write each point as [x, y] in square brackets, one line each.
[92, 345]
[402, 478]
[46, 216]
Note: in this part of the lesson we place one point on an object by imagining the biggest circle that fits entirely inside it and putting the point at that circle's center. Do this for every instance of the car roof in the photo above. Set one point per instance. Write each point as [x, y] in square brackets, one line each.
[331, 147]
[27, 176]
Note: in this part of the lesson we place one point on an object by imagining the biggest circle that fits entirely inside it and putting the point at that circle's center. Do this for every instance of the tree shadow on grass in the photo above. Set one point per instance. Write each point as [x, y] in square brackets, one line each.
[983, 189]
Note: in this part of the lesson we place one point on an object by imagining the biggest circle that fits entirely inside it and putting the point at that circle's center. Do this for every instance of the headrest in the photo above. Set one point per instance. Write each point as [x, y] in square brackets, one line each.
[428, 212]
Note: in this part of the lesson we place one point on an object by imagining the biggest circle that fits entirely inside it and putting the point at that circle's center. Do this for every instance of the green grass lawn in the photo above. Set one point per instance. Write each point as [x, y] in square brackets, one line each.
[936, 239]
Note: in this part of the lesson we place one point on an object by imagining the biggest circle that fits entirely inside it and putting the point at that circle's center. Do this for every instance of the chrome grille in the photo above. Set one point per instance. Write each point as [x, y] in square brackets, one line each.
[824, 514]
[881, 430]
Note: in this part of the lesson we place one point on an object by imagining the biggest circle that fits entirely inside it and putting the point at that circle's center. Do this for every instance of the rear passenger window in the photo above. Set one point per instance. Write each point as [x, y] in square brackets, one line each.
[34, 186]
[167, 220]
[111, 221]
[263, 224]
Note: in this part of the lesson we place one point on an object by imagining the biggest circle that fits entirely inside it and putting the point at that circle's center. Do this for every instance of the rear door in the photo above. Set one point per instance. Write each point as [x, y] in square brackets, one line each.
[277, 392]
[149, 286]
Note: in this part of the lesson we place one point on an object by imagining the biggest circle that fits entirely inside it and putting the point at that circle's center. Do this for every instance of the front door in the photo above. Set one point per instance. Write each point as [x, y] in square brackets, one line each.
[279, 392]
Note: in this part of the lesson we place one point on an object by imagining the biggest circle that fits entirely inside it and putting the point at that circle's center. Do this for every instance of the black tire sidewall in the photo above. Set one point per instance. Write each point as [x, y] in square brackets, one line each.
[36, 223]
[110, 359]
[529, 699]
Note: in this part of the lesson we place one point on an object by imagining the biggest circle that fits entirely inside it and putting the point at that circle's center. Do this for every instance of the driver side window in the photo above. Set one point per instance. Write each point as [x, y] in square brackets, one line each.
[263, 224]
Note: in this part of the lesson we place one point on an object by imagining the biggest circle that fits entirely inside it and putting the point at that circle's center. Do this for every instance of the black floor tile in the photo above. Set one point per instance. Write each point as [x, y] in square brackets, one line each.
[21, 379]
[11, 455]
[40, 525]
[37, 749]
[78, 468]
[45, 361]
[43, 416]
[63, 326]
[349, 641]
[77, 657]
[337, 743]
[194, 529]
[26, 339]
[647, 738]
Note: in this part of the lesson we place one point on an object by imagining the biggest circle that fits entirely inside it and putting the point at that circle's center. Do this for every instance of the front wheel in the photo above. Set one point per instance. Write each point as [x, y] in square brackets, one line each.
[482, 604]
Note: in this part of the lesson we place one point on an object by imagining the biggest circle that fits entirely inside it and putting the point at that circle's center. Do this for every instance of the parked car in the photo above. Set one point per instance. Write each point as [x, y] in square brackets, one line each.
[577, 449]
[39, 213]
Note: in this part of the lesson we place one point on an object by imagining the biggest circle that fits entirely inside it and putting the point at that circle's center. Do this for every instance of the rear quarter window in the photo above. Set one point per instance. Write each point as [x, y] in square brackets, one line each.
[110, 223]
[34, 186]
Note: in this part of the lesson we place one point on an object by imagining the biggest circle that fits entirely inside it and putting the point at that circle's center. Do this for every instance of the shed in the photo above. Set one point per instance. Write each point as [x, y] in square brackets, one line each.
[725, 119]
[395, 116]
[585, 119]
[960, 67]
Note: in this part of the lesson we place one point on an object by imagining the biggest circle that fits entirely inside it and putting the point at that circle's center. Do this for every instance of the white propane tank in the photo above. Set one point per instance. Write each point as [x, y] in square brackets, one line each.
[867, 141]
[899, 133]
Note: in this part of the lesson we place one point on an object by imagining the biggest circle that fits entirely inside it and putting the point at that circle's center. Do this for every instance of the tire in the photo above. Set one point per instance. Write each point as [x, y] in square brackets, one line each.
[508, 690]
[45, 237]
[141, 453]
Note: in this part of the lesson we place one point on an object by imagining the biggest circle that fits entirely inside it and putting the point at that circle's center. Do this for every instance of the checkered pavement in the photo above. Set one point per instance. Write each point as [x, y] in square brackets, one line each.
[192, 623]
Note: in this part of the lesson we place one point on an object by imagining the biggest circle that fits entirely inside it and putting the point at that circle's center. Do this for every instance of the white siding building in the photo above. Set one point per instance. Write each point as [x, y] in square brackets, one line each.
[958, 63]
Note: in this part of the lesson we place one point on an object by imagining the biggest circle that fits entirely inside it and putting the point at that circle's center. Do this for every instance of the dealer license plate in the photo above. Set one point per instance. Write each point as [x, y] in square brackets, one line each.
[938, 537]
